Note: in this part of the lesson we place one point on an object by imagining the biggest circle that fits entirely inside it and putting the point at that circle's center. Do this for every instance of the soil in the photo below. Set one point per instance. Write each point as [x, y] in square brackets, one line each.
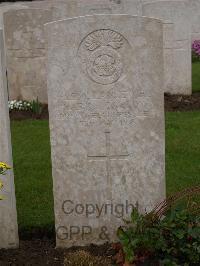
[32, 252]
[43, 252]
[173, 103]
[182, 102]
[23, 115]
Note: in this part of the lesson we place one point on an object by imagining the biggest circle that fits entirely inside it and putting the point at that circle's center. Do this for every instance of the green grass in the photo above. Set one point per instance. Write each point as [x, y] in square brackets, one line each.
[31, 151]
[32, 166]
[182, 150]
[196, 76]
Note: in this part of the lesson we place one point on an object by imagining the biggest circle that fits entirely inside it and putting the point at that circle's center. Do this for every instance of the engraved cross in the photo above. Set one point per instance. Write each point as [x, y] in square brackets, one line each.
[108, 157]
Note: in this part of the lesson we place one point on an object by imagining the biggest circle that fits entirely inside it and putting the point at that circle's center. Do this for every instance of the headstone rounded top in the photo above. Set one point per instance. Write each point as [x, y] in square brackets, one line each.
[142, 19]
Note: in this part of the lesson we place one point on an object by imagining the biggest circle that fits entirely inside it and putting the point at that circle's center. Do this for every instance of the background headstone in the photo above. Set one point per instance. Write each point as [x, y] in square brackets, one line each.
[105, 76]
[194, 14]
[4, 7]
[73, 8]
[25, 43]
[180, 53]
[25, 50]
[62, 9]
[8, 215]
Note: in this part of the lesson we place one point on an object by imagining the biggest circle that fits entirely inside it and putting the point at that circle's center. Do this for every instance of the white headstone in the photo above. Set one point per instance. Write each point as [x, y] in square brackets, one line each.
[105, 77]
[25, 49]
[73, 8]
[8, 215]
[178, 55]
[194, 14]
[44, 4]
[9, 6]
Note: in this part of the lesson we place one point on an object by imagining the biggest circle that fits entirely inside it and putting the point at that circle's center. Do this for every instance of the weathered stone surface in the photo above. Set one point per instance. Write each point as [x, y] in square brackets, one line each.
[194, 14]
[193, 7]
[73, 8]
[179, 62]
[105, 96]
[44, 4]
[8, 215]
[4, 7]
[25, 45]
[70, 8]
[152, 1]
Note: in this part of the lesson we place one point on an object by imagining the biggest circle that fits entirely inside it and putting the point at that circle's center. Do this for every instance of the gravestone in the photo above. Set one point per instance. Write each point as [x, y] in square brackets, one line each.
[62, 9]
[9, 6]
[72, 8]
[194, 14]
[177, 62]
[8, 215]
[105, 76]
[25, 50]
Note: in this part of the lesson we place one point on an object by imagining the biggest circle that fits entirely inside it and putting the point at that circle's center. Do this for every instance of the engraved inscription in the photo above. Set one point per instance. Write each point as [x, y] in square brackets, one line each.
[108, 157]
[102, 60]
[118, 105]
[106, 110]
[103, 38]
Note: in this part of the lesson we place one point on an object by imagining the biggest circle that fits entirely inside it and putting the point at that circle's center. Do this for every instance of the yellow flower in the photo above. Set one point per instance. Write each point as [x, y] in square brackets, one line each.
[4, 166]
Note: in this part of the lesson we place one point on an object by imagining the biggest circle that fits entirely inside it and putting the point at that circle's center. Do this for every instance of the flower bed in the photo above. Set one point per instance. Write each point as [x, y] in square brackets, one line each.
[22, 109]
[19, 105]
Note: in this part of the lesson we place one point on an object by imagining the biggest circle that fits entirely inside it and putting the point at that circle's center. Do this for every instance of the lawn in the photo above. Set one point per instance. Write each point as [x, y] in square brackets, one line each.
[196, 77]
[31, 152]
[32, 166]
[182, 150]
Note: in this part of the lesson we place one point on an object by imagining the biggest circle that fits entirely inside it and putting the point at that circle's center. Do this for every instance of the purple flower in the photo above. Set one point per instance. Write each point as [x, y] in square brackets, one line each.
[196, 50]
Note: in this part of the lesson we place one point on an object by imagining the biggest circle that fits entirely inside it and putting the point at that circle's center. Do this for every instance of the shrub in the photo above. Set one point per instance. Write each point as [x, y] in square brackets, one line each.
[36, 107]
[169, 234]
[196, 51]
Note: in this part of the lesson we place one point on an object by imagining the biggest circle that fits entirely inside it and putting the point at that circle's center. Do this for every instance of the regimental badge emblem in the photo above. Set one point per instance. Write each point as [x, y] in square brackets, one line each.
[100, 56]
